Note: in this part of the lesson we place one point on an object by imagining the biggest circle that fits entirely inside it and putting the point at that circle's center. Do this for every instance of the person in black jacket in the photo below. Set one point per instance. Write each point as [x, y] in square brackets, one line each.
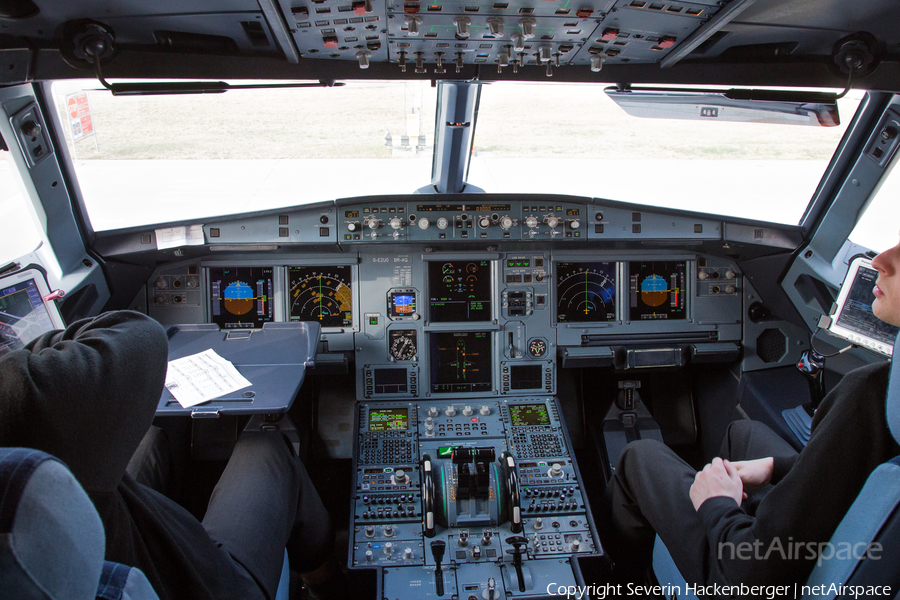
[759, 513]
[88, 394]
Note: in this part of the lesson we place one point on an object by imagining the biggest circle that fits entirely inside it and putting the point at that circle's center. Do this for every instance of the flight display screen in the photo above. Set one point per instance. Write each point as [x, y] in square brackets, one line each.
[390, 381]
[321, 294]
[388, 419]
[585, 292]
[856, 314]
[657, 290]
[460, 362]
[525, 377]
[241, 297]
[526, 415]
[23, 315]
[459, 291]
[402, 304]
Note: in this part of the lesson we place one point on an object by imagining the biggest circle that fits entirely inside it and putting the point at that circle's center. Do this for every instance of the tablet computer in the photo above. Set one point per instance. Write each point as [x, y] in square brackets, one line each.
[24, 314]
[852, 318]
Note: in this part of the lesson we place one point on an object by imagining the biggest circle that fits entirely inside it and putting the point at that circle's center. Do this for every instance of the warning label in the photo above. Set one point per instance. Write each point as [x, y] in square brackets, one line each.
[79, 111]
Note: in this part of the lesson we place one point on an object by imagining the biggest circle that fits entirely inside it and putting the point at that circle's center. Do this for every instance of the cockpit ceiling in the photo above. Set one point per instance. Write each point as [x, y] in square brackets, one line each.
[761, 42]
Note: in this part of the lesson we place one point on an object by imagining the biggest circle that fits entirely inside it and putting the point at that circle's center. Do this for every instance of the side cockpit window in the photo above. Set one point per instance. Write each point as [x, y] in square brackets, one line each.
[877, 228]
[19, 232]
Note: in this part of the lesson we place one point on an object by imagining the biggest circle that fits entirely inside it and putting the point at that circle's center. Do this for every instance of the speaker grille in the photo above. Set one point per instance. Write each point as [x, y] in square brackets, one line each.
[771, 345]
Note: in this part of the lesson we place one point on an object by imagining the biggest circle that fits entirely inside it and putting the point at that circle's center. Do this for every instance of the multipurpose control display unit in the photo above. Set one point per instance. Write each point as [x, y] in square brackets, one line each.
[476, 499]
[25, 309]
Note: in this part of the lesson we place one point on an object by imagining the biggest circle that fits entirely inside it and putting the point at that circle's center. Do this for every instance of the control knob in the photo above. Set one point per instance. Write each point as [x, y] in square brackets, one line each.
[408, 554]
[531, 222]
[467, 411]
[729, 289]
[555, 470]
[484, 222]
[388, 548]
[373, 223]
[352, 226]
[574, 224]
[729, 274]
[370, 531]
[451, 411]
[400, 477]
[702, 275]
[505, 222]
[443, 223]
[552, 222]
[484, 410]
[538, 524]
[575, 545]
[396, 223]
[369, 556]
[389, 531]
[433, 411]
[424, 223]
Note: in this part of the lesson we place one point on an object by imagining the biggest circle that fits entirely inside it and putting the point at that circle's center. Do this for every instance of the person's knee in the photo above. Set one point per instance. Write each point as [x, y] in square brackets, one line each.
[640, 454]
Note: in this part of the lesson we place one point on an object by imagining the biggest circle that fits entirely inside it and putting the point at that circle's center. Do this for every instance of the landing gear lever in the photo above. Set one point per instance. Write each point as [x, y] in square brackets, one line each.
[519, 545]
[437, 551]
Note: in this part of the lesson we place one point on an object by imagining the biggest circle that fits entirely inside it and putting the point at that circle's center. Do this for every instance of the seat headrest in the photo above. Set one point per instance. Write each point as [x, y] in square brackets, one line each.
[51, 537]
[893, 394]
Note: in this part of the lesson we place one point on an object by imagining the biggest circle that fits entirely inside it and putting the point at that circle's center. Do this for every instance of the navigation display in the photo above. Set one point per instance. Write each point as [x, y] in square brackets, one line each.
[460, 362]
[241, 297]
[855, 320]
[526, 377]
[459, 291]
[388, 419]
[585, 292]
[321, 294]
[525, 415]
[23, 315]
[657, 290]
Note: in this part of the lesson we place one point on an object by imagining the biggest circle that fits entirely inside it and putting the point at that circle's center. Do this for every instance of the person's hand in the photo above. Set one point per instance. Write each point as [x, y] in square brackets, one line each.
[755, 474]
[718, 478]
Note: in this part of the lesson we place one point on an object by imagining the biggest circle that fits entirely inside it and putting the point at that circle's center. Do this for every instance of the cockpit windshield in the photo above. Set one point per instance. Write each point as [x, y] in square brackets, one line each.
[154, 159]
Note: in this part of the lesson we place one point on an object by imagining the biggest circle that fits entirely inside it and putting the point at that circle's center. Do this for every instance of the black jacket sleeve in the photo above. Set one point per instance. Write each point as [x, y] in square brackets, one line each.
[86, 394]
[849, 439]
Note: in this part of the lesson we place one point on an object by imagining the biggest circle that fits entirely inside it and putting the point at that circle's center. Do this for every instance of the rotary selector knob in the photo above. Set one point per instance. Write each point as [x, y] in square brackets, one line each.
[370, 531]
[729, 289]
[531, 222]
[352, 226]
[396, 223]
[729, 274]
[574, 224]
[433, 411]
[408, 554]
[575, 545]
[400, 477]
[538, 524]
[424, 223]
[703, 275]
[450, 412]
[389, 531]
[388, 548]
[484, 410]
[505, 222]
[484, 222]
[369, 556]
[373, 223]
[555, 470]
[552, 222]
[443, 223]
[467, 411]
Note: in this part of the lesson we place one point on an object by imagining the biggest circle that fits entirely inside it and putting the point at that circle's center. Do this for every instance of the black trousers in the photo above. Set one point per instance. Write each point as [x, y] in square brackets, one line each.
[263, 503]
[649, 494]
